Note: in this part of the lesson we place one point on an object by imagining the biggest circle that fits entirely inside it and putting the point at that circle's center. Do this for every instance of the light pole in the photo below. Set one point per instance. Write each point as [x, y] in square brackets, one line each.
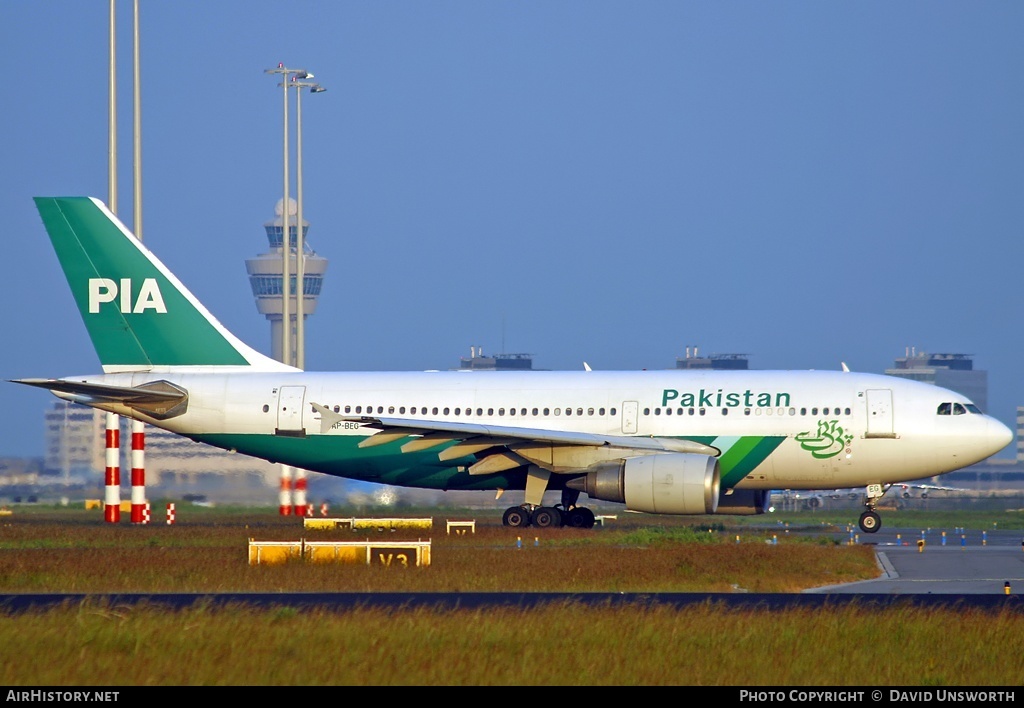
[300, 260]
[287, 353]
[287, 350]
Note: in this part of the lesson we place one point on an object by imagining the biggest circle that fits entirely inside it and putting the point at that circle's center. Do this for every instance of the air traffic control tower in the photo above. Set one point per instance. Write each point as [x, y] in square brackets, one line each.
[266, 271]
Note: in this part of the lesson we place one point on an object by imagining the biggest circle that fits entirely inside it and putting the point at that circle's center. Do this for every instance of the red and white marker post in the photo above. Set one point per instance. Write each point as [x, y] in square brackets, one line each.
[285, 496]
[112, 491]
[139, 473]
[300, 492]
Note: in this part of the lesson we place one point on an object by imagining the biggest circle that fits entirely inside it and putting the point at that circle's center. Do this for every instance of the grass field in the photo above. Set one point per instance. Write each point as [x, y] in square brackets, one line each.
[89, 643]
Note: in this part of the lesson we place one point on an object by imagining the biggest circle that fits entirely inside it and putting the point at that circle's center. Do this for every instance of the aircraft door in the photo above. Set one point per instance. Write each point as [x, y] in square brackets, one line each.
[879, 408]
[289, 410]
[629, 411]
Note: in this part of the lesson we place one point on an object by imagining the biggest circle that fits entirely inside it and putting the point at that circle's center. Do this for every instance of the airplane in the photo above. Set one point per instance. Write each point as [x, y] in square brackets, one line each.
[690, 442]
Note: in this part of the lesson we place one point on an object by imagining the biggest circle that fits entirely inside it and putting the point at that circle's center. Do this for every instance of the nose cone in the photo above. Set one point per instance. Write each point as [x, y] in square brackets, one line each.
[999, 436]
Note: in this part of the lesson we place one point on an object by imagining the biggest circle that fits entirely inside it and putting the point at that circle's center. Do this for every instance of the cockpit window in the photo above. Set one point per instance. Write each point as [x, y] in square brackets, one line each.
[953, 408]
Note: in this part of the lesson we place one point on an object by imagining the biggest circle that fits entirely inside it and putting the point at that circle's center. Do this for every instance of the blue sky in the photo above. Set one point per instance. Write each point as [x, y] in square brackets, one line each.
[808, 183]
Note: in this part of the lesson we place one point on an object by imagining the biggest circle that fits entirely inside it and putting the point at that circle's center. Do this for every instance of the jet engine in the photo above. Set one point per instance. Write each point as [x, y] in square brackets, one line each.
[662, 483]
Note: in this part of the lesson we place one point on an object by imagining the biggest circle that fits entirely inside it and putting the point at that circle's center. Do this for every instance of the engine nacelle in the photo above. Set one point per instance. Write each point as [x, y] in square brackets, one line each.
[662, 483]
[744, 502]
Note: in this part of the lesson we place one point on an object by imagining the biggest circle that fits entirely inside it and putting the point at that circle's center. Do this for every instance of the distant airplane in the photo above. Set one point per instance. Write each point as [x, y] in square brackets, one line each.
[907, 491]
[660, 442]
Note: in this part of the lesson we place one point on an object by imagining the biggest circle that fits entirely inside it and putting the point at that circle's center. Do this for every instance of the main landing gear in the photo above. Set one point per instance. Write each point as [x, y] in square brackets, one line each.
[531, 513]
[578, 517]
[870, 521]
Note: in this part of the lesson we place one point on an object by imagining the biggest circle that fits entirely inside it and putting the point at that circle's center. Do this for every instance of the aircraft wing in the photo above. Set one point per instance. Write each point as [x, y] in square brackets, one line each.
[504, 447]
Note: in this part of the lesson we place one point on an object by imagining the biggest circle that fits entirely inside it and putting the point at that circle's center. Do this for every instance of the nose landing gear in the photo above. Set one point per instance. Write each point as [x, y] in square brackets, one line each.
[870, 521]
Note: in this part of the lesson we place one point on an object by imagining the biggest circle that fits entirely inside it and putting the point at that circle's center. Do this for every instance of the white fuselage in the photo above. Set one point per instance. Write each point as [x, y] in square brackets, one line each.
[775, 429]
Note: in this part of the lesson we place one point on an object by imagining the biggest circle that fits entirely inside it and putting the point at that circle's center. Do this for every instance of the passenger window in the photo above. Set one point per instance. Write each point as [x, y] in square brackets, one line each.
[944, 408]
[600, 411]
[501, 411]
[445, 410]
[590, 411]
[535, 411]
[725, 411]
[647, 411]
[612, 411]
[824, 411]
[702, 411]
[480, 411]
[657, 411]
[746, 411]
[348, 409]
[792, 411]
[402, 410]
[803, 411]
[490, 411]
[814, 411]
[846, 411]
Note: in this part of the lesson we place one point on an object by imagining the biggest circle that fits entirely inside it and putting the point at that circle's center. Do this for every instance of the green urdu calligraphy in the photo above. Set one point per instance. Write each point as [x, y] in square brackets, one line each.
[828, 441]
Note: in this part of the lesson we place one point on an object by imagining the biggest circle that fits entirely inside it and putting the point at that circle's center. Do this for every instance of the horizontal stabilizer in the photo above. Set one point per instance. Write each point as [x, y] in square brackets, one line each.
[158, 399]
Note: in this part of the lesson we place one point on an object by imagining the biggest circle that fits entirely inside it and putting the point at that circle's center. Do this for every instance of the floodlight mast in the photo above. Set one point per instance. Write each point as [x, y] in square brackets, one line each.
[288, 351]
[300, 246]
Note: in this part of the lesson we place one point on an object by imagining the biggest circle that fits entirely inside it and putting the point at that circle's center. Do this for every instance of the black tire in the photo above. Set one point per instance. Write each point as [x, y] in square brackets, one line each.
[870, 522]
[516, 517]
[580, 518]
[547, 517]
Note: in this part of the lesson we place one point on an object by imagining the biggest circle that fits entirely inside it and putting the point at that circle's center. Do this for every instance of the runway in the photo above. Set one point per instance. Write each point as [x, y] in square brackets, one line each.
[957, 562]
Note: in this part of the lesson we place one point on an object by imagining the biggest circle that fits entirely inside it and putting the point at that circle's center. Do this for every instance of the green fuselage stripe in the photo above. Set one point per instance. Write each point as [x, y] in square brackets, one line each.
[757, 449]
[386, 464]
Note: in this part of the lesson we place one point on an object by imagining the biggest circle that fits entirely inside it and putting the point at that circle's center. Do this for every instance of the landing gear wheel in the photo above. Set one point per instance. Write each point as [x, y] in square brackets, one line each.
[516, 516]
[546, 516]
[579, 518]
[870, 522]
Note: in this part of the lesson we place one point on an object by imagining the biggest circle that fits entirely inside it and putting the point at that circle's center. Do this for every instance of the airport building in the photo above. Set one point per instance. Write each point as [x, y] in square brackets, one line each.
[75, 454]
[499, 362]
[953, 371]
[719, 362]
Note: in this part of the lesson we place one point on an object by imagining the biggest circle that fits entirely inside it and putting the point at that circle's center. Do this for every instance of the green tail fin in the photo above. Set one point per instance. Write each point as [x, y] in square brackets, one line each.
[138, 314]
